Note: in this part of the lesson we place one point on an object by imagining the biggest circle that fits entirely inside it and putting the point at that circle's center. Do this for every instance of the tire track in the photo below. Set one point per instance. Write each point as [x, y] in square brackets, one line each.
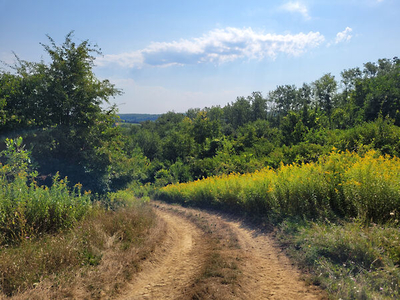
[268, 273]
[175, 265]
[174, 272]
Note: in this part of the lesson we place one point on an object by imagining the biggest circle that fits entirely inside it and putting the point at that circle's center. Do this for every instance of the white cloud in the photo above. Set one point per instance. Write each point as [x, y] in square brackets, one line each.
[217, 46]
[344, 36]
[297, 7]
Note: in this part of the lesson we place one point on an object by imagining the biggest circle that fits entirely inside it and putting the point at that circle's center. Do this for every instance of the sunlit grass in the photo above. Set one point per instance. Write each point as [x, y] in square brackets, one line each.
[350, 260]
[341, 184]
[28, 210]
[95, 257]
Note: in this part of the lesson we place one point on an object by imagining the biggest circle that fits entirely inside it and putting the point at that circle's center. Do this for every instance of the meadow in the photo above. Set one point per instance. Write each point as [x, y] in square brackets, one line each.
[338, 217]
[339, 185]
[270, 158]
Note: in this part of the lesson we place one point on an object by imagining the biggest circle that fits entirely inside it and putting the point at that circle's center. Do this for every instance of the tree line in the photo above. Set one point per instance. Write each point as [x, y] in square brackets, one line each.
[59, 109]
[289, 124]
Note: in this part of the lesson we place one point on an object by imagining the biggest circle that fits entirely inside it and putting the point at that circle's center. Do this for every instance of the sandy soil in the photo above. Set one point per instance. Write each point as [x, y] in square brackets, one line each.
[174, 267]
[265, 272]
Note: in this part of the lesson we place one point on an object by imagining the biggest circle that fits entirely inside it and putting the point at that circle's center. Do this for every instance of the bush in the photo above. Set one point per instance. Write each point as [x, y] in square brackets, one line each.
[26, 209]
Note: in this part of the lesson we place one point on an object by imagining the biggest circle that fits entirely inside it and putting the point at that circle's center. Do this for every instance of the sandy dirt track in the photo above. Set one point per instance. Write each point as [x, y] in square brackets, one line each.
[267, 273]
[174, 270]
[174, 266]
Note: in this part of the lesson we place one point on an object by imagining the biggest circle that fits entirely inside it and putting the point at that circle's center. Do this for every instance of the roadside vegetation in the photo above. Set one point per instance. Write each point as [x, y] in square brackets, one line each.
[339, 185]
[319, 162]
[55, 242]
[76, 236]
[337, 217]
[93, 259]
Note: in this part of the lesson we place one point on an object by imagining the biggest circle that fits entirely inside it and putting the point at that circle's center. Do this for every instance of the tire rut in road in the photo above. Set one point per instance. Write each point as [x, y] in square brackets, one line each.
[174, 266]
[265, 271]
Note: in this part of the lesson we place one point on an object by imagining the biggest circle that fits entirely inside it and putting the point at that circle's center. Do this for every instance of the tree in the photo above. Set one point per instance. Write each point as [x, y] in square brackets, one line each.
[258, 106]
[73, 93]
[284, 99]
[238, 113]
[349, 80]
[293, 129]
[63, 101]
[325, 90]
[378, 92]
[64, 92]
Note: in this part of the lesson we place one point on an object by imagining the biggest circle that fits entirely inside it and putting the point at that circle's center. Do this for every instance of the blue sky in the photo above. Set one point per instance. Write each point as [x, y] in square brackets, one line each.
[176, 55]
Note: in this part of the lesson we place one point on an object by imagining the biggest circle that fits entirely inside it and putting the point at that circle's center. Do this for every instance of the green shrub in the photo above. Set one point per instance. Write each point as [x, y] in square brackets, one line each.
[28, 210]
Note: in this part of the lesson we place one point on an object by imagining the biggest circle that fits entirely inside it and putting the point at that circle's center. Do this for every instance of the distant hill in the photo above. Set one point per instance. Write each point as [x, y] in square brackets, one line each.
[138, 118]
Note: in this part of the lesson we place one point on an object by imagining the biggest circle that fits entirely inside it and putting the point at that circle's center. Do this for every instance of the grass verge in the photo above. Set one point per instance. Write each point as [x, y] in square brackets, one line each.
[92, 260]
[349, 260]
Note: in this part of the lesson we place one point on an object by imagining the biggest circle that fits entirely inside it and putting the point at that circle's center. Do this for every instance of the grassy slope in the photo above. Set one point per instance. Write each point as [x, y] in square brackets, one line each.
[80, 262]
[324, 213]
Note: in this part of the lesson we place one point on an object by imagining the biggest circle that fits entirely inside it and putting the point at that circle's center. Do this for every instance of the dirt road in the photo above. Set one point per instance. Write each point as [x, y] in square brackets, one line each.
[175, 264]
[208, 256]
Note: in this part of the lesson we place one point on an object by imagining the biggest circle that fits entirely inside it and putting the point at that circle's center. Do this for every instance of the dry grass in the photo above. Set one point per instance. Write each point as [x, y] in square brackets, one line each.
[94, 260]
[349, 260]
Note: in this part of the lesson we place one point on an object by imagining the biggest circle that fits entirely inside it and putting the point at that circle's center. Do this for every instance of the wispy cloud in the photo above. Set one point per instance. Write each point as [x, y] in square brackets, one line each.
[344, 36]
[297, 7]
[217, 46]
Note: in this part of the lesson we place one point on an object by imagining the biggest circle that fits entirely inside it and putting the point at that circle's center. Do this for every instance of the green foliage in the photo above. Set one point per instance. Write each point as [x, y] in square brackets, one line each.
[381, 135]
[290, 125]
[28, 210]
[339, 185]
[16, 158]
[349, 260]
[62, 104]
[325, 90]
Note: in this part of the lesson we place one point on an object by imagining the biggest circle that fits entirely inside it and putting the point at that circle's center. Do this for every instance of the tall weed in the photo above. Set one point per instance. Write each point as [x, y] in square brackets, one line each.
[28, 210]
[339, 185]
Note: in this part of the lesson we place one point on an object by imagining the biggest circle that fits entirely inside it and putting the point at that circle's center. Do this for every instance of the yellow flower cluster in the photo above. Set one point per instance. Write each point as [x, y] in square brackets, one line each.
[341, 183]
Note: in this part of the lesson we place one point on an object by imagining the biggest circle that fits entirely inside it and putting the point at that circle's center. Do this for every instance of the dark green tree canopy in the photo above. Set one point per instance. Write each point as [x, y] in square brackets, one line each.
[59, 108]
[63, 92]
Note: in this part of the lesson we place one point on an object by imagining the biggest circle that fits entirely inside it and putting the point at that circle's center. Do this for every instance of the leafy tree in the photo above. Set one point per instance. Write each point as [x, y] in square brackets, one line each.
[293, 129]
[73, 93]
[238, 113]
[63, 101]
[286, 96]
[177, 145]
[168, 122]
[349, 79]
[150, 143]
[324, 90]
[258, 106]
[378, 92]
